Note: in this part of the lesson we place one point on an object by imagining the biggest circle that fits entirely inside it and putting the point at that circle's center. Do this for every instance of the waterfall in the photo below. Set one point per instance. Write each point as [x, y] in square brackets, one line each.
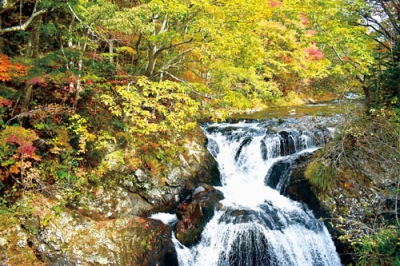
[256, 224]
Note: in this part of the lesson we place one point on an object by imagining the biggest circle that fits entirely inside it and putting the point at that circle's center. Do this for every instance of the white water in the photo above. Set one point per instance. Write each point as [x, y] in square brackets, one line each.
[257, 225]
[166, 218]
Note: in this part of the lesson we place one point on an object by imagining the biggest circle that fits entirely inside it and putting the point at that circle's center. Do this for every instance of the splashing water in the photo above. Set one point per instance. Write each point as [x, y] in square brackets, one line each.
[256, 225]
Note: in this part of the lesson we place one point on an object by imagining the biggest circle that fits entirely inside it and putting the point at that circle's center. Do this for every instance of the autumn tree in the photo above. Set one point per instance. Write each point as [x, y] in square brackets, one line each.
[382, 20]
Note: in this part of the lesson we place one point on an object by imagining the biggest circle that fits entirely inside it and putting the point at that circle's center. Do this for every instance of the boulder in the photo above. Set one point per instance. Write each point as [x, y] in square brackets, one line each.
[194, 213]
[279, 175]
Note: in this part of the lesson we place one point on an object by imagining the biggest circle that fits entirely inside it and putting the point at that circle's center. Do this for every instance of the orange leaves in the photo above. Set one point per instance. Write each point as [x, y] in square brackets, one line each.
[9, 70]
[4, 68]
[192, 77]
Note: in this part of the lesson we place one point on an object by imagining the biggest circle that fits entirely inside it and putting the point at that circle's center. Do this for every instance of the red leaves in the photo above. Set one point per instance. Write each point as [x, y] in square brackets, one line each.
[5, 103]
[304, 19]
[25, 146]
[23, 138]
[36, 80]
[27, 149]
[275, 4]
[314, 53]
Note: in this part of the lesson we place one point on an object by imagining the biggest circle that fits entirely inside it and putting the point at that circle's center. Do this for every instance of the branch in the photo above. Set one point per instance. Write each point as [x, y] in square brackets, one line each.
[189, 86]
[383, 29]
[169, 63]
[171, 46]
[89, 29]
[26, 23]
[391, 18]
[62, 110]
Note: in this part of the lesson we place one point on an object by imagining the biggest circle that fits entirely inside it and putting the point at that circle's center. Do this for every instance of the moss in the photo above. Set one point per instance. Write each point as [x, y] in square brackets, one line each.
[320, 175]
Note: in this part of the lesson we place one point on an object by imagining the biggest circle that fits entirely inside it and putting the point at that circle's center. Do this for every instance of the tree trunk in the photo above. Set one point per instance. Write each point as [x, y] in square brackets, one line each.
[111, 50]
[34, 39]
[26, 98]
[151, 61]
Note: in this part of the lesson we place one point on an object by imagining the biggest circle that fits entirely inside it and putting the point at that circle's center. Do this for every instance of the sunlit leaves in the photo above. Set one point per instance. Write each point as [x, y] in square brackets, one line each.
[155, 112]
[79, 129]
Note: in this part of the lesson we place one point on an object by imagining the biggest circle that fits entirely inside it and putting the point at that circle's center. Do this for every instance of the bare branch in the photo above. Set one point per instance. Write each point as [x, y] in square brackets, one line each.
[26, 24]
[88, 28]
[391, 18]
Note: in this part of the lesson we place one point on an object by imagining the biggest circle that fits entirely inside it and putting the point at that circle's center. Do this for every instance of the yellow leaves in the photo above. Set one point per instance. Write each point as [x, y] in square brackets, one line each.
[79, 127]
[126, 50]
[155, 107]
[60, 142]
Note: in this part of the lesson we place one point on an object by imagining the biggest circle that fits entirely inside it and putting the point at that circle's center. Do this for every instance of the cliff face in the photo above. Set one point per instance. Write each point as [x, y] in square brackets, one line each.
[107, 225]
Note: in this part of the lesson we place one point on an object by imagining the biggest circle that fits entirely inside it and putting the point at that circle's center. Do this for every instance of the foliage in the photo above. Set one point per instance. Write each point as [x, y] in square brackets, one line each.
[380, 248]
[159, 114]
[383, 89]
[10, 70]
[17, 154]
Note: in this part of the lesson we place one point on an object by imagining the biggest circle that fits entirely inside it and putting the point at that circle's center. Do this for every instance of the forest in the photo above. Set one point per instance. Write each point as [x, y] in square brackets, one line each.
[80, 75]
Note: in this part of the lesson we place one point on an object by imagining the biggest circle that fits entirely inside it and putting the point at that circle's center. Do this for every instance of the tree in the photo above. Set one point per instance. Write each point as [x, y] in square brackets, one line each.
[14, 16]
[382, 18]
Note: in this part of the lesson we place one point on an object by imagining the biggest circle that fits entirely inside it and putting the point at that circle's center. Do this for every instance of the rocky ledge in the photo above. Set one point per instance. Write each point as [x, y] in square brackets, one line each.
[108, 225]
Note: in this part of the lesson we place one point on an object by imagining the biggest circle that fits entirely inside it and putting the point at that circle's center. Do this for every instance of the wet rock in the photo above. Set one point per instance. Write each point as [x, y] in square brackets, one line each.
[279, 175]
[288, 141]
[195, 213]
[244, 143]
[300, 189]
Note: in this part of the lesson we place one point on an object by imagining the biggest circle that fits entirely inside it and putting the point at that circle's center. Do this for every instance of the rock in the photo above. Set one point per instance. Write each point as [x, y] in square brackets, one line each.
[198, 190]
[103, 227]
[111, 203]
[3, 243]
[278, 176]
[141, 176]
[174, 176]
[300, 189]
[195, 213]
[79, 240]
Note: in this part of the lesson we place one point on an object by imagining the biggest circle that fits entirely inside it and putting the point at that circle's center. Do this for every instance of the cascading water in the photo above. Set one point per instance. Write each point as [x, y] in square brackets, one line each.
[256, 225]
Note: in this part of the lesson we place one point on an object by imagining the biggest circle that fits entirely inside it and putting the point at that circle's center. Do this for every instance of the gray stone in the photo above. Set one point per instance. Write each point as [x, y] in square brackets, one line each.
[140, 175]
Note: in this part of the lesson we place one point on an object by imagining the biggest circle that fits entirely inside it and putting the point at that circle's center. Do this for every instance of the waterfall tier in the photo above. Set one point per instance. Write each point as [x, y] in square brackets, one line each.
[255, 224]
